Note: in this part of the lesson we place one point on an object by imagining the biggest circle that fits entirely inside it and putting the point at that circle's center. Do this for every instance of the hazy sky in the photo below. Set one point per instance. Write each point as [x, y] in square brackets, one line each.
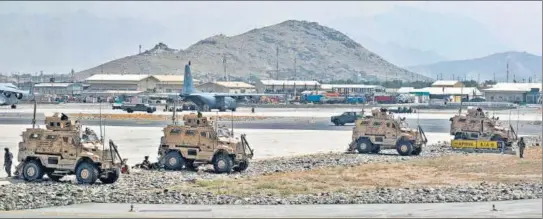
[517, 23]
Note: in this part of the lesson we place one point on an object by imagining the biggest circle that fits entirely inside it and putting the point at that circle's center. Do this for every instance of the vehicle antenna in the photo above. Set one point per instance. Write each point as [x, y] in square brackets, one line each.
[232, 119]
[518, 117]
[174, 116]
[34, 115]
[101, 135]
[461, 99]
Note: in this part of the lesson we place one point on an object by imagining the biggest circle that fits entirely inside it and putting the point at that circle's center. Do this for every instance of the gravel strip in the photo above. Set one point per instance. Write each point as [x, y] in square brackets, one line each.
[148, 187]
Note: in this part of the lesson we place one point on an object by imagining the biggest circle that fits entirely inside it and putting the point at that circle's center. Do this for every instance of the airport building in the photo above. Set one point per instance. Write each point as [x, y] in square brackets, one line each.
[235, 87]
[58, 89]
[169, 83]
[446, 83]
[346, 89]
[133, 82]
[514, 92]
[286, 86]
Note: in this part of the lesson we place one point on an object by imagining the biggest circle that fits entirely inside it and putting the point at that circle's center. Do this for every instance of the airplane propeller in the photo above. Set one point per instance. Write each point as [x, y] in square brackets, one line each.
[19, 96]
[7, 94]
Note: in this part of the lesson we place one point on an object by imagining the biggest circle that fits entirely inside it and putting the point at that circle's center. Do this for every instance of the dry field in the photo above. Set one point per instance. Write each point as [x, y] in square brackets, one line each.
[443, 171]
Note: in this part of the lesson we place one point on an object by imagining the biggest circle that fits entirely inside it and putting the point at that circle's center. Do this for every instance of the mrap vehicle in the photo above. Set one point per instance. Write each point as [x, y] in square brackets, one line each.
[475, 130]
[381, 131]
[62, 149]
[200, 142]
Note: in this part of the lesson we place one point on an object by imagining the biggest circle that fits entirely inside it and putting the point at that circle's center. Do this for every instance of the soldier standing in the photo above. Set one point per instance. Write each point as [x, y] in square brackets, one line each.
[8, 158]
[199, 114]
[521, 146]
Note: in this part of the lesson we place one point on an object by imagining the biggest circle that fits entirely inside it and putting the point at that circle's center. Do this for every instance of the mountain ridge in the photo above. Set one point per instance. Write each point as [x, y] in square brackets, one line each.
[321, 53]
[522, 66]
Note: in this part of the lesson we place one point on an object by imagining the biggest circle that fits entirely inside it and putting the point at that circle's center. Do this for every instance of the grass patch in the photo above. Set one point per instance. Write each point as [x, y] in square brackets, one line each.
[443, 171]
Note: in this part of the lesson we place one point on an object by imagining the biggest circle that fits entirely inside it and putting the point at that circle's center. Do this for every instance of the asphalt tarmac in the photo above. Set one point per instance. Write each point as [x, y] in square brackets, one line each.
[298, 123]
[503, 209]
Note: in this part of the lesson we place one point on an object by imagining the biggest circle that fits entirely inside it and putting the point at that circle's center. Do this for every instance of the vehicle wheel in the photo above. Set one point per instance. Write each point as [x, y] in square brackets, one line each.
[222, 109]
[416, 151]
[404, 148]
[111, 177]
[336, 123]
[222, 163]
[86, 173]
[233, 109]
[242, 166]
[54, 178]
[173, 161]
[129, 111]
[376, 149]
[13, 106]
[364, 146]
[149, 111]
[32, 171]
[342, 124]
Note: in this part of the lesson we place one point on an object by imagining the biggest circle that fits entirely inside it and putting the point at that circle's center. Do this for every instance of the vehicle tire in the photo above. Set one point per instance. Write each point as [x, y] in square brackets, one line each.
[129, 110]
[173, 161]
[222, 109]
[242, 166]
[86, 173]
[54, 178]
[336, 122]
[404, 148]
[416, 151]
[222, 163]
[111, 177]
[376, 149]
[149, 111]
[32, 171]
[14, 106]
[233, 109]
[364, 146]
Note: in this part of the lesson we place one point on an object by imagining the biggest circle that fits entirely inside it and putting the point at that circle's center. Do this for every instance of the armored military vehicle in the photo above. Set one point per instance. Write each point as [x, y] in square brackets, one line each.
[200, 141]
[62, 148]
[475, 125]
[381, 131]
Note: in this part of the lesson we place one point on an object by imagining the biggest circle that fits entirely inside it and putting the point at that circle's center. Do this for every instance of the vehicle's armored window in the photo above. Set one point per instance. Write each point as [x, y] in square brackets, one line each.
[461, 120]
[58, 124]
[190, 132]
[51, 124]
[376, 123]
[364, 123]
[203, 134]
[388, 125]
[35, 136]
[51, 137]
[472, 121]
[474, 135]
[393, 126]
[66, 139]
[175, 131]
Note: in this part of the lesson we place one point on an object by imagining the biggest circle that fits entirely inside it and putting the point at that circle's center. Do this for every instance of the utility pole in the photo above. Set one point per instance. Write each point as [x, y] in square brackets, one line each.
[507, 72]
[140, 50]
[494, 74]
[295, 66]
[224, 66]
[277, 63]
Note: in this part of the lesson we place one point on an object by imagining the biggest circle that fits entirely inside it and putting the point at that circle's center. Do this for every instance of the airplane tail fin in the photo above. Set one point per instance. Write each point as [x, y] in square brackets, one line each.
[188, 86]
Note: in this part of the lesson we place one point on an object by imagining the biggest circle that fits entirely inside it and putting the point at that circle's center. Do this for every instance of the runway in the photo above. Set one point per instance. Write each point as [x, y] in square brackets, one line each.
[504, 209]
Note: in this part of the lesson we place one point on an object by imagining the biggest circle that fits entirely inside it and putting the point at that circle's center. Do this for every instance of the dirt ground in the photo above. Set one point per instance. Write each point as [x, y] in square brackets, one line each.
[449, 170]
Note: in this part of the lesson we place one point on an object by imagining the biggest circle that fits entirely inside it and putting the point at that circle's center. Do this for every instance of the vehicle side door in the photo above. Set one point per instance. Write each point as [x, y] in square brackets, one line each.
[208, 140]
[391, 132]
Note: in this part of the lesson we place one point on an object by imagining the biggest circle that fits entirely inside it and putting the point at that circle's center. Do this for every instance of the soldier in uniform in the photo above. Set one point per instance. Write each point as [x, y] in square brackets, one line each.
[8, 160]
[199, 114]
[521, 146]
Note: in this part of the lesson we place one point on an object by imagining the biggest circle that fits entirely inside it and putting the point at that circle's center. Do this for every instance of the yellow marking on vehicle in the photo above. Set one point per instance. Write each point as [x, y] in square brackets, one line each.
[487, 144]
[464, 144]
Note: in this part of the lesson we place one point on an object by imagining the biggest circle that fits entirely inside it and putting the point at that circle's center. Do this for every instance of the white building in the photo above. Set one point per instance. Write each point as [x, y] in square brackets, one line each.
[514, 92]
[447, 83]
[286, 86]
[169, 83]
[353, 88]
[235, 87]
[127, 82]
[58, 88]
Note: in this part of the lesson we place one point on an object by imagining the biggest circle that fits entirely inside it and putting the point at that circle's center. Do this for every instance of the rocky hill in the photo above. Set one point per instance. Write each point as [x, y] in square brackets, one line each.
[321, 53]
[522, 66]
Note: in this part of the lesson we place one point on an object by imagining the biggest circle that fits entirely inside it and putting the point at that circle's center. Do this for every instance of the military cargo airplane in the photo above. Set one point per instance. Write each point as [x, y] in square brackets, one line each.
[208, 101]
[10, 95]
